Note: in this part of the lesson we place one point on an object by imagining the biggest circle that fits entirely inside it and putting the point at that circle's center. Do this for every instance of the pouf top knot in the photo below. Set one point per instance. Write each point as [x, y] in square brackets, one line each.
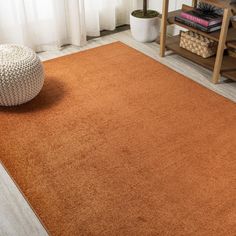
[12, 53]
[21, 74]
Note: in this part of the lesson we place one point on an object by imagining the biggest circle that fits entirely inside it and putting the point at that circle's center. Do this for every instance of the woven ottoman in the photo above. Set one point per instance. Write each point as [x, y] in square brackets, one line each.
[21, 75]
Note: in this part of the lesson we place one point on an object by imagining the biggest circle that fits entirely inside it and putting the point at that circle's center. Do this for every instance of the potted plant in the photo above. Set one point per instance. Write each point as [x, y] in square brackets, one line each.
[145, 24]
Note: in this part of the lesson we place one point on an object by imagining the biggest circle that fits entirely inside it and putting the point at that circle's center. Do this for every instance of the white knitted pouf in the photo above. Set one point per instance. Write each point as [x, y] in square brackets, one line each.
[21, 75]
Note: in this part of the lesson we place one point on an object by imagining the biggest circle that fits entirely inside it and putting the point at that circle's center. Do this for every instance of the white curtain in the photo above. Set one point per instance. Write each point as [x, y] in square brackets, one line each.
[106, 14]
[49, 24]
[42, 24]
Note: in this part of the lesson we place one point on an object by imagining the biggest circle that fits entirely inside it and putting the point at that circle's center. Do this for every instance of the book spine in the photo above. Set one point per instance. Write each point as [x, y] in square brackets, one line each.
[195, 19]
[192, 24]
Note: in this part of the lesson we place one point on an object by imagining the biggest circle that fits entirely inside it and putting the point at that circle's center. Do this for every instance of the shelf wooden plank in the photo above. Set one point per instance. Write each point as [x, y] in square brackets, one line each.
[230, 74]
[214, 35]
[229, 63]
[232, 44]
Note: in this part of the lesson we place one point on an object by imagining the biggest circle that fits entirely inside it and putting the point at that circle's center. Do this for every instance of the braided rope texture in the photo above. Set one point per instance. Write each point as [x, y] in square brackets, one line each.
[21, 74]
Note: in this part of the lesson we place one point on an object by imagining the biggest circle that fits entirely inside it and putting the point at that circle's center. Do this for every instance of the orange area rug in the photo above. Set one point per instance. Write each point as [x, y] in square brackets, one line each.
[118, 144]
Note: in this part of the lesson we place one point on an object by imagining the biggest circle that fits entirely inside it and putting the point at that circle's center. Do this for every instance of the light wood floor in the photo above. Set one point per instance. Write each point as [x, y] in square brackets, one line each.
[16, 216]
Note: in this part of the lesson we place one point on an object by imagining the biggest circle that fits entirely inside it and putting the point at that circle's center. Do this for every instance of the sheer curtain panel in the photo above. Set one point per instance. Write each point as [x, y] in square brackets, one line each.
[106, 14]
[49, 24]
[42, 24]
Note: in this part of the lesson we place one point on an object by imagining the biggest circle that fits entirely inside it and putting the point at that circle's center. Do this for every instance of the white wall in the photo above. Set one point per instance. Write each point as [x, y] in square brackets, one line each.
[157, 4]
[179, 3]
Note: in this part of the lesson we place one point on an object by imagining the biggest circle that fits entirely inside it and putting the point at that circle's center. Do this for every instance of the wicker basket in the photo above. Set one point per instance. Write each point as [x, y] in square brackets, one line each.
[198, 44]
[232, 52]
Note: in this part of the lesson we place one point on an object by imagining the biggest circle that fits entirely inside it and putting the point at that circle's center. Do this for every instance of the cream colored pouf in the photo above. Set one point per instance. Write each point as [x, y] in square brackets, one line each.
[21, 75]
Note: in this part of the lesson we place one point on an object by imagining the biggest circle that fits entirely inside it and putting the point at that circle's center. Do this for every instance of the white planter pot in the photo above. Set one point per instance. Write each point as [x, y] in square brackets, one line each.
[145, 29]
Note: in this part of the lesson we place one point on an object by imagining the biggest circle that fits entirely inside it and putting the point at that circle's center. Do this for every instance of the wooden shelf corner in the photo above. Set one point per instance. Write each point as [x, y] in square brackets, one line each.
[221, 64]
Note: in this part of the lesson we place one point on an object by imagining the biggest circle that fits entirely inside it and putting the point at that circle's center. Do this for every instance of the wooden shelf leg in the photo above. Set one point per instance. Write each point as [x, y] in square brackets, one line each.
[164, 27]
[221, 46]
[194, 3]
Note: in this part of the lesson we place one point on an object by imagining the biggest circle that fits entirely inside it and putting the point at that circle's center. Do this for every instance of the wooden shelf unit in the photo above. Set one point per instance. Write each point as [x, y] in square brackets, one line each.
[221, 64]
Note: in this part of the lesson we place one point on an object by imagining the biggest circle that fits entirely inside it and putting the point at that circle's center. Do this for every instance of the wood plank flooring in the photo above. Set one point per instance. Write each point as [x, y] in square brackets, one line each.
[16, 216]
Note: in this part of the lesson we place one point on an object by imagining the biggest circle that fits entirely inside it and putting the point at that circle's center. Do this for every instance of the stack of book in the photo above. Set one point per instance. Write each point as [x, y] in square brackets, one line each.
[200, 20]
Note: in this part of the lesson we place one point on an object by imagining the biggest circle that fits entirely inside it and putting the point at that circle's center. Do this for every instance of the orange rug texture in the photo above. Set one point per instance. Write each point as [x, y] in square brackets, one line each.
[118, 144]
